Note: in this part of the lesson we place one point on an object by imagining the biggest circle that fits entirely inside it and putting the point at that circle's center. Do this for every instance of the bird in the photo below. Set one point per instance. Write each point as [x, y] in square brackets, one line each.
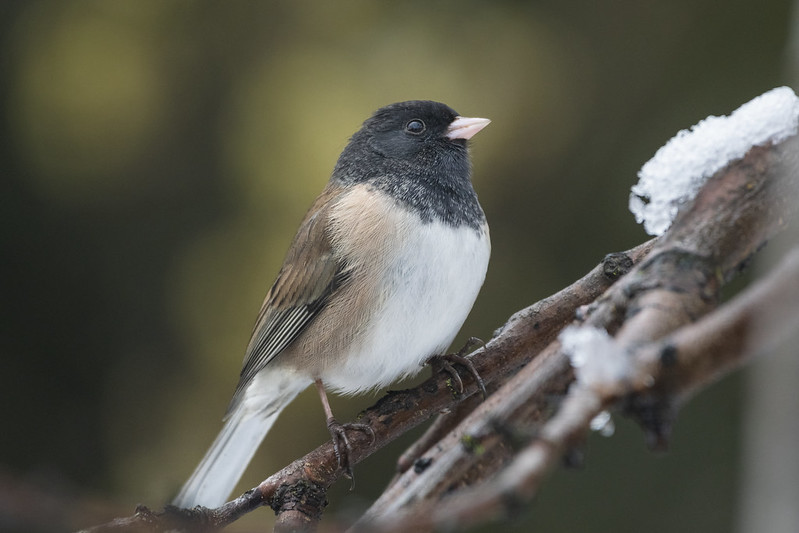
[382, 273]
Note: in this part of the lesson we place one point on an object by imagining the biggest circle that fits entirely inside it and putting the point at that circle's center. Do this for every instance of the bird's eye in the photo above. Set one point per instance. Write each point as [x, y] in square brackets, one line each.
[415, 126]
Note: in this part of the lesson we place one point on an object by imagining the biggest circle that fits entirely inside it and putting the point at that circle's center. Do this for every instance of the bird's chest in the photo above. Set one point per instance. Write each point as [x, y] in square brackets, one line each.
[434, 275]
[414, 283]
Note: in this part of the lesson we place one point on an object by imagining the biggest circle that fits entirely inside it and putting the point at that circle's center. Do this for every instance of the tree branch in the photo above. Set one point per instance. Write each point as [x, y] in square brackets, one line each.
[693, 357]
[734, 215]
[513, 345]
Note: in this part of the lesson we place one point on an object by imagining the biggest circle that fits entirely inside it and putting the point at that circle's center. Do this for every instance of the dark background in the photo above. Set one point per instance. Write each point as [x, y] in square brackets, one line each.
[157, 156]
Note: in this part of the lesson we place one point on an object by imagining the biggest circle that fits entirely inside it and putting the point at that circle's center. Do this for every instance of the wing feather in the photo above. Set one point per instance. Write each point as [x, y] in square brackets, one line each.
[310, 275]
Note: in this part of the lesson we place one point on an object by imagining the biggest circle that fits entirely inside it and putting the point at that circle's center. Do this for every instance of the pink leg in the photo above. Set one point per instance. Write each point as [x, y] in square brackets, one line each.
[323, 396]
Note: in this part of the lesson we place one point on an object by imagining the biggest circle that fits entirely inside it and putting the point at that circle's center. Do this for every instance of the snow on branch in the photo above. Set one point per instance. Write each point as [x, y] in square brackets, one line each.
[680, 168]
[598, 361]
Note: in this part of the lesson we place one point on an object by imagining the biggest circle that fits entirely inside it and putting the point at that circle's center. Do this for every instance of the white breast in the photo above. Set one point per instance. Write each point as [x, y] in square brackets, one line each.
[430, 282]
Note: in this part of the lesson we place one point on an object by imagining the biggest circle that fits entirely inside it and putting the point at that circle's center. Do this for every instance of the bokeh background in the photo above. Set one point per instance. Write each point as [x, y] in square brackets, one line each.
[156, 157]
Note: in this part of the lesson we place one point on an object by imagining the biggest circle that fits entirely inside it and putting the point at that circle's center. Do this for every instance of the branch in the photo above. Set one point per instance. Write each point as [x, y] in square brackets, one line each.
[513, 345]
[734, 215]
[692, 358]
[755, 322]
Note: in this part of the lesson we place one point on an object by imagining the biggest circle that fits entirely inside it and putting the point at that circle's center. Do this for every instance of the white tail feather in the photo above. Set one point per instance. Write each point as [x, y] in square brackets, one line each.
[245, 428]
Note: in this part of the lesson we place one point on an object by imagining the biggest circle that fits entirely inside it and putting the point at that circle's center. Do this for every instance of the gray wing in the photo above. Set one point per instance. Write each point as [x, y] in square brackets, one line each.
[310, 275]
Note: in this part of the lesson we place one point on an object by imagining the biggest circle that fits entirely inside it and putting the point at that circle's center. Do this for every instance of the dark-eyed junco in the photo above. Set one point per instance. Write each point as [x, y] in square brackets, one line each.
[381, 275]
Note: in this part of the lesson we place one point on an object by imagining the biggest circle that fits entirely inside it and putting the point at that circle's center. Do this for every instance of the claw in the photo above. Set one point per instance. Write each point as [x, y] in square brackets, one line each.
[338, 433]
[445, 363]
[471, 343]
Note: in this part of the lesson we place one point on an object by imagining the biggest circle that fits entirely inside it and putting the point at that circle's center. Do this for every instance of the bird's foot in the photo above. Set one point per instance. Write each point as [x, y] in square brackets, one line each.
[446, 362]
[341, 443]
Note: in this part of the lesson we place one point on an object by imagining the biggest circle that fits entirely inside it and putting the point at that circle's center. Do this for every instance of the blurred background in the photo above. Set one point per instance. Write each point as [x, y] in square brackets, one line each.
[156, 157]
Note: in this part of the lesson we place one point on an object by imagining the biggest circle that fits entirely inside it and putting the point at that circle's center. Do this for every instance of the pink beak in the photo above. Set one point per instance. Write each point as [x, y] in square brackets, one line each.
[466, 127]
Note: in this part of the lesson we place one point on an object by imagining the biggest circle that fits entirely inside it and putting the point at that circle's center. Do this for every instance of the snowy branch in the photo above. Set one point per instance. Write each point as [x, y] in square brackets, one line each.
[650, 312]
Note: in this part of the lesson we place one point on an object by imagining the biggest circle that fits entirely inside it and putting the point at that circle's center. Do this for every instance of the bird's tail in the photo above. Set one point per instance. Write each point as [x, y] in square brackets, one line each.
[245, 428]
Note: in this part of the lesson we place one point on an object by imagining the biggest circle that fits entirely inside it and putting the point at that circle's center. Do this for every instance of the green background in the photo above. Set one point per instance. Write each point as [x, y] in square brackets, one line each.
[157, 156]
